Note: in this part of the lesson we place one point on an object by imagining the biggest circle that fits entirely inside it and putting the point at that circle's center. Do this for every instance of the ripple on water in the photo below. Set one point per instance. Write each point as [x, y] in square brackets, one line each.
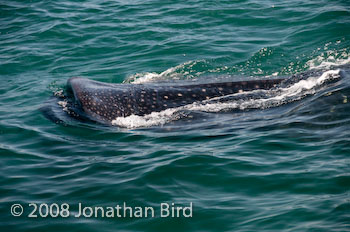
[284, 168]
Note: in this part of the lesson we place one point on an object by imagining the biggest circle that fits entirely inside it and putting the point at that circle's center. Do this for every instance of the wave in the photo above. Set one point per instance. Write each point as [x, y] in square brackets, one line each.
[330, 54]
[324, 68]
[257, 99]
[174, 73]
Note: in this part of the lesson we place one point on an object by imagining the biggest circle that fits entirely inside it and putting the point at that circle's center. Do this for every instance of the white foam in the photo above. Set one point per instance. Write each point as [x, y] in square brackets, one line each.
[272, 98]
[279, 96]
[173, 73]
[328, 59]
[155, 118]
[63, 104]
[321, 62]
[59, 93]
[140, 78]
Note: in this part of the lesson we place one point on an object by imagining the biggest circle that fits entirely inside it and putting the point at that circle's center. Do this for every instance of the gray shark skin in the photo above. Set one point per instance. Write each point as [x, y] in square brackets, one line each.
[94, 101]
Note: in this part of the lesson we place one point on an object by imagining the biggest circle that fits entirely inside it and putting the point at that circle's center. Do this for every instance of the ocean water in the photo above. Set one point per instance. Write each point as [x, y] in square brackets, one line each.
[278, 163]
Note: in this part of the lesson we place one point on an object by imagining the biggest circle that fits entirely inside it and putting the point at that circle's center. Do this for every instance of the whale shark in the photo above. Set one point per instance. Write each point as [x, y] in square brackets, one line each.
[95, 101]
[103, 102]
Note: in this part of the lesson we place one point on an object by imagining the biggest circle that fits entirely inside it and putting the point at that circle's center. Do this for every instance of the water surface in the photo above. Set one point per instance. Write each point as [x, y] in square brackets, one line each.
[281, 168]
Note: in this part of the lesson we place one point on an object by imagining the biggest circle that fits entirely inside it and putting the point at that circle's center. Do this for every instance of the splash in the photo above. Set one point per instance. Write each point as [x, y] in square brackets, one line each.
[270, 98]
[323, 57]
[155, 118]
[257, 99]
[181, 71]
[63, 104]
[328, 59]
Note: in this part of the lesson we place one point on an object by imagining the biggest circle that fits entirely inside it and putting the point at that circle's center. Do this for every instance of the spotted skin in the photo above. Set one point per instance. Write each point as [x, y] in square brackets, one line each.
[104, 102]
[94, 101]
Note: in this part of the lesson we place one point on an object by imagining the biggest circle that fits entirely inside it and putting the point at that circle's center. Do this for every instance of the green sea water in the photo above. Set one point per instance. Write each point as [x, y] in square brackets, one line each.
[278, 167]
